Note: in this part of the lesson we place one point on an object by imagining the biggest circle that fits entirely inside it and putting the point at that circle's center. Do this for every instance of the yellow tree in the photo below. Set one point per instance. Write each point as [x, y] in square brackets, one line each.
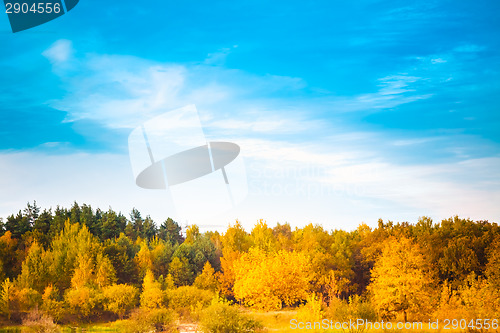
[234, 242]
[70, 247]
[82, 301]
[8, 247]
[52, 303]
[6, 294]
[192, 234]
[152, 295]
[82, 297]
[268, 280]
[479, 298]
[120, 298]
[34, 272]
[401, 282]
[492, 270]
[83, 273]
[144, 259]
[262, 237]
[206, 280]
[161, 253]
[252, 279]
[105, 274]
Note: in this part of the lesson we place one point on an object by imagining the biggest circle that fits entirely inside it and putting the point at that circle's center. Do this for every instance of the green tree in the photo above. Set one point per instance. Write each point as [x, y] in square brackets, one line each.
[35, 270]
[41, 228]
[170, 231]
[161, 254]
[137, 222]
[121, 253]
[67, 250]
[181, 271]
[112, 225]
[149, 228]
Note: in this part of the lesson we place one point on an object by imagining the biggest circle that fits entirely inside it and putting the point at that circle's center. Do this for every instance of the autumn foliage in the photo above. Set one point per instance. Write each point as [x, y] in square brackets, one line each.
[81, 264]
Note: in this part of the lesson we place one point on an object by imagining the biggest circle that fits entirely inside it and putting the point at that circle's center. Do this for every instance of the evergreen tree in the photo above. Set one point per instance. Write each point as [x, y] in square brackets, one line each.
[170, 231]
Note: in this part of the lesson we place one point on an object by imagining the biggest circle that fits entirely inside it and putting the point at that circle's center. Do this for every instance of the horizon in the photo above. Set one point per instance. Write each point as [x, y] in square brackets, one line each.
[344, 112]
[248, 226]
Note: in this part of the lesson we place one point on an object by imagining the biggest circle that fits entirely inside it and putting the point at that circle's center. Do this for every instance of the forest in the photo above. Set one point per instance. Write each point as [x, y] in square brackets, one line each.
[81, 265]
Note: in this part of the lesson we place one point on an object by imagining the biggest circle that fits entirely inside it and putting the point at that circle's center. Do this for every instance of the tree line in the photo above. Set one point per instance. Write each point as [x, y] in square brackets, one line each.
[84, 263]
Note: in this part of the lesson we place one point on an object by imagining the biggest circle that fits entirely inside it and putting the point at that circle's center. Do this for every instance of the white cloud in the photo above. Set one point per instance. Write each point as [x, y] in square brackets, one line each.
[101, 180]
[411, 142]
[59, 52]
[288, 182]
[440, 190]
[300, 168]
[438, 61]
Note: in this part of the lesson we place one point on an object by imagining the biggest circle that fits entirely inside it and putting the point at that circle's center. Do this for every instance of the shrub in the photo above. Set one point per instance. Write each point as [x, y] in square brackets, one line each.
[312, 311]
[84, 301]
[354, 308]
[120, 298]
[28, 299]
[221, 317]
[52, 305]
[150, 320]
[187, 300]
[38, 322]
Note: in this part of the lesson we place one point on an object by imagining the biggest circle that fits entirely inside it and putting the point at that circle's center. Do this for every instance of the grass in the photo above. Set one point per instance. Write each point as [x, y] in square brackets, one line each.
[279, 321]
[274, 321]
[69, 328]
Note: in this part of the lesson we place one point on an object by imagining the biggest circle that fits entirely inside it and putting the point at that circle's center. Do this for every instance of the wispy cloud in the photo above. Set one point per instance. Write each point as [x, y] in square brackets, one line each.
[300, 148]
[60, 52]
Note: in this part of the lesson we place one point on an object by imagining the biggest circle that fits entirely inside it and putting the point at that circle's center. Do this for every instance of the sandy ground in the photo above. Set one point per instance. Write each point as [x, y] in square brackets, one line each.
[188, 328]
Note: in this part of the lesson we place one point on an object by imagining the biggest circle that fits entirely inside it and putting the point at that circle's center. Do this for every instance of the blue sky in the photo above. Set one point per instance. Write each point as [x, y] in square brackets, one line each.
[345, 111]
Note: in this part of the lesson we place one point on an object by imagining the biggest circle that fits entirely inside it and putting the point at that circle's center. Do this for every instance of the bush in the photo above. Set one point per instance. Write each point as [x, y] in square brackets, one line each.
[221, 317]
[38, 322]
[150, 320]
[312, 311]
[51, 303]
[28, 299]
[188, 299]
[120, 298]
[84, 302]
[355, 308]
